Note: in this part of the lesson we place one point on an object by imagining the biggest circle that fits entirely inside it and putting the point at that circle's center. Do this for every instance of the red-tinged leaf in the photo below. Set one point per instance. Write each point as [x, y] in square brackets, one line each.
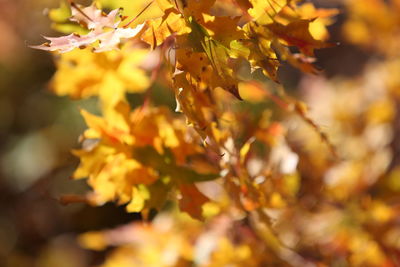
[192, 200]
[107, 40]
[297, 34]
[93, 18]
[65, 44]
[99, 25]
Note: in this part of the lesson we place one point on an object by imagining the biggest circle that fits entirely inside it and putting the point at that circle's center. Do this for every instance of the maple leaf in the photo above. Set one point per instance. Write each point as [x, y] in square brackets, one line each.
[109, 75]
[93, 18]
[283, 28]
[217, 55]
[269, 183]
[265, 11]
[192, 200]
[159, 29]
[104, 33]
[297, 34]
[320, 19]
[126, 157]
[107, 40]
[259, 53]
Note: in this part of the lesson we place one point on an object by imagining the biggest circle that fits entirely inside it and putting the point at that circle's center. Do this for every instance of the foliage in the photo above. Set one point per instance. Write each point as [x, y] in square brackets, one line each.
[230, 182]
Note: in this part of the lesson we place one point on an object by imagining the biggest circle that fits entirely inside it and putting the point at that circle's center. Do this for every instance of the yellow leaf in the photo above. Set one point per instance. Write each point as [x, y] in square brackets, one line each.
[109, 74]
[140, 194]
[161, 28]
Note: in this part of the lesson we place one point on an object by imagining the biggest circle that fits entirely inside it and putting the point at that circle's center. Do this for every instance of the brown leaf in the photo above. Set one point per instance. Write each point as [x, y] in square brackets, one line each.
[192, 200]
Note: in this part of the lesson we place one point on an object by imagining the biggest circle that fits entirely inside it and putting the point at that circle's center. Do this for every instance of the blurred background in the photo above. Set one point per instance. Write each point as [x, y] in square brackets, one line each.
[38, 130]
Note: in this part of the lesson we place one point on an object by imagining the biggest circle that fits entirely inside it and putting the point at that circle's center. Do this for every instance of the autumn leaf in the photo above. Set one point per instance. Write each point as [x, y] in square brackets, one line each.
[272, 180]
[166, 165]
[104, 32]
[93, 18]
[192, 200]
[160, 29]
[297, 34]
[121, 69]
